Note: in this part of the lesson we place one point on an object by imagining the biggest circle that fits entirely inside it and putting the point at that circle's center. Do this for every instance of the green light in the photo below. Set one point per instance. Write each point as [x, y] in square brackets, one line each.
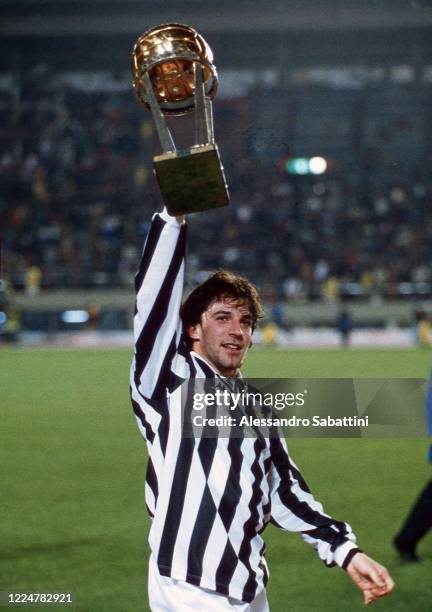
[298, 165]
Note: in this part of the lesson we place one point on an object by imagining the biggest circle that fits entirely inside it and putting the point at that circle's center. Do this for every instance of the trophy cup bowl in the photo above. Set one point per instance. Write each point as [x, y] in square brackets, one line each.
[167, 53]
[173, 74]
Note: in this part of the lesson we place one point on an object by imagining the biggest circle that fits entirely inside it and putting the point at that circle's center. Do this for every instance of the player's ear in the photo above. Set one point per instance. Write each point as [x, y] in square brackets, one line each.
[194, 332]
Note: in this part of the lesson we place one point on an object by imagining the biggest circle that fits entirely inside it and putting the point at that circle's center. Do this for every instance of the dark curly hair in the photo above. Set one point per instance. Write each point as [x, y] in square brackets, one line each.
[221, 285]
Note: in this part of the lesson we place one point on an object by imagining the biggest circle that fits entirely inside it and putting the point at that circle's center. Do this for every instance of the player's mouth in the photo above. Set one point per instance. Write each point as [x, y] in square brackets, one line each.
[231, 346]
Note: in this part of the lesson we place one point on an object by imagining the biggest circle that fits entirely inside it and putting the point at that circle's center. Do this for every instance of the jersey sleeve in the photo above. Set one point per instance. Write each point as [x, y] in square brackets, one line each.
[294, 508]
[159, 288]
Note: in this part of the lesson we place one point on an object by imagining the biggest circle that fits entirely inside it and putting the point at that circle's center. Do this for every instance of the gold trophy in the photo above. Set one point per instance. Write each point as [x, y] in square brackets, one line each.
[173, 74]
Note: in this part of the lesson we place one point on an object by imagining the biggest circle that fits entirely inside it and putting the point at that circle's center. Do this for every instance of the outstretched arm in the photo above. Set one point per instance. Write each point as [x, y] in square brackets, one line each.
[294, 508]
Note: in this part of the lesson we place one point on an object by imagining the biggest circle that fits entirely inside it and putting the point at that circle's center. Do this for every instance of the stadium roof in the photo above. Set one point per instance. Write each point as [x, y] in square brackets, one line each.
[101, 17]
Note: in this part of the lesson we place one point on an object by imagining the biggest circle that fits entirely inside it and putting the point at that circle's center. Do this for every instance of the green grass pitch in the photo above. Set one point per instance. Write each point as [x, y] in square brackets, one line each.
[72, 493]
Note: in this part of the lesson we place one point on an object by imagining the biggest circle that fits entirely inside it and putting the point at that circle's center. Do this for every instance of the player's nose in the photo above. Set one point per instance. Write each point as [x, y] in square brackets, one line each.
[236, 328]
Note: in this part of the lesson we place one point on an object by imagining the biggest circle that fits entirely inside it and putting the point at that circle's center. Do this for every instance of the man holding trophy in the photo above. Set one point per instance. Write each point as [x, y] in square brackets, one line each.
[209, 499]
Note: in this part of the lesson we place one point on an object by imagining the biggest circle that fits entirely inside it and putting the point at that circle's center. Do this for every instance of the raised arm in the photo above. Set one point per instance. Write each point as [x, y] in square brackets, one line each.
[159, 288]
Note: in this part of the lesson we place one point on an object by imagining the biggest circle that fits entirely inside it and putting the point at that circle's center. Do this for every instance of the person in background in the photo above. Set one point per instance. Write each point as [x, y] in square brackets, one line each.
[423, 330]
[269, 334]
[419, 520]
[33, 280]
[344, 326]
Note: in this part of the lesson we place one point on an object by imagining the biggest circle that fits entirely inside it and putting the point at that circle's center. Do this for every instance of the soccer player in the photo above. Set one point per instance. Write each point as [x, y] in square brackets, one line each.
[210, 498]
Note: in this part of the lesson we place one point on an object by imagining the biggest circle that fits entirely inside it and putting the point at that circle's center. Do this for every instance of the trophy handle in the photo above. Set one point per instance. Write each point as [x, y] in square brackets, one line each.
[164, 134]
[204, 131]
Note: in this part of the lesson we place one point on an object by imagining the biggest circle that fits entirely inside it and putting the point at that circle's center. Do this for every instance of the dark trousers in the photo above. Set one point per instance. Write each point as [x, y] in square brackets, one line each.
[418, 521]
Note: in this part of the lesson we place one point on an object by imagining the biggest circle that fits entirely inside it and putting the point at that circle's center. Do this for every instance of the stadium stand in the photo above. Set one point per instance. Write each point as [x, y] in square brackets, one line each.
[75, 178]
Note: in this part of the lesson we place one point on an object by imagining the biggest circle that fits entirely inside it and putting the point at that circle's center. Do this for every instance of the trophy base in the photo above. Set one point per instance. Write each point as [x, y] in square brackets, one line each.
[191, 180]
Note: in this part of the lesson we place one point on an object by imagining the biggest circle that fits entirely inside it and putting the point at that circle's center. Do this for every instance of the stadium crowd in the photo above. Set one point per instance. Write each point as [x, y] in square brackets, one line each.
[77, 193]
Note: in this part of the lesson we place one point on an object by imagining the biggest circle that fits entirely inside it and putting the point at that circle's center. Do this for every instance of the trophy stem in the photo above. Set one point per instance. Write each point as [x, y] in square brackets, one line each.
[203, 131]
[164, 134]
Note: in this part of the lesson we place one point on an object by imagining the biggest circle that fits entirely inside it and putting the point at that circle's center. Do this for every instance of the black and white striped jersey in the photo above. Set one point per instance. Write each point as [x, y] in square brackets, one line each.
[209, 498]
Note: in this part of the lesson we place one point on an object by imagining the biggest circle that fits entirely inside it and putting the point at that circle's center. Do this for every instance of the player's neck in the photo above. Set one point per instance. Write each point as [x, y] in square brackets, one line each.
[225, 373]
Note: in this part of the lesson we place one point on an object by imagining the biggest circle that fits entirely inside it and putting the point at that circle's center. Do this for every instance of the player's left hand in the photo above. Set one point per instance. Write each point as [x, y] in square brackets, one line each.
[370, 577]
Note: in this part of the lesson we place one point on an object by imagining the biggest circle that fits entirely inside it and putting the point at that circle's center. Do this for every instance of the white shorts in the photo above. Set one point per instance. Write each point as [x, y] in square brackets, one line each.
[169, 595]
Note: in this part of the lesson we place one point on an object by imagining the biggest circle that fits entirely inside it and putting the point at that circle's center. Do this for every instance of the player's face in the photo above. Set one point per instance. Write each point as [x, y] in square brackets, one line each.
[224, 334]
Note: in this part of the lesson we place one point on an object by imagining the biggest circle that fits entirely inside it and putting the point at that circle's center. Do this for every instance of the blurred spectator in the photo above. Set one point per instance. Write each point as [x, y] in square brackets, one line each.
[330, 289]
[94, 315]
[269, 333]
[423, 329]
[33, 277]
